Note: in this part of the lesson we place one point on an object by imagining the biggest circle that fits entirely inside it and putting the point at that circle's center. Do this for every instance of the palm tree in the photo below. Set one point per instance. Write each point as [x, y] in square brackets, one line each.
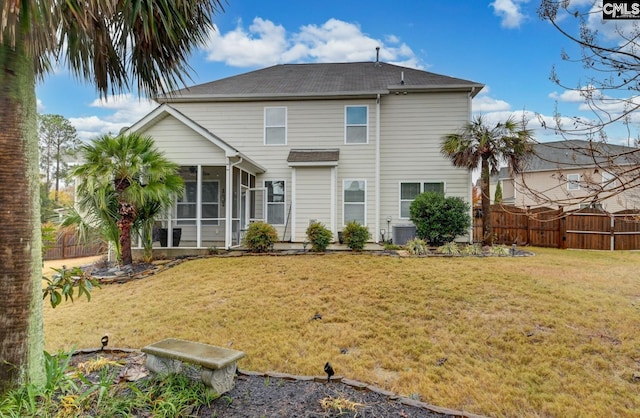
[114, 44]
[130, 170]
[478, 143]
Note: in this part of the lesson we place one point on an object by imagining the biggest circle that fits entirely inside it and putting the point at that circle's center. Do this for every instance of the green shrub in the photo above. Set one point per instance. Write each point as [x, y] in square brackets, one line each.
[355, 235]
[416, 246]
[472, 249]
[260, 237]
[319, 236]
[450, 248]
[500, 250]
[439, 219]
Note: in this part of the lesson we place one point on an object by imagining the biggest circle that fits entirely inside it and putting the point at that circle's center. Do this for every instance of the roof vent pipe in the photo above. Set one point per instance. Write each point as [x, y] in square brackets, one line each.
[402, 78]
[377, 56]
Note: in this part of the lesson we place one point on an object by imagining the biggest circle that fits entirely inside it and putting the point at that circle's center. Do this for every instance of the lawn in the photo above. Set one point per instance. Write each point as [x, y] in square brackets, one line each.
[555, 334]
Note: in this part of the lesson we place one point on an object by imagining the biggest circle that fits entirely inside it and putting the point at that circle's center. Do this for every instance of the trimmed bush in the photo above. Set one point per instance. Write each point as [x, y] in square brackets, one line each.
[355, 236]
[439, 219]
[260, 237]
[319, 237]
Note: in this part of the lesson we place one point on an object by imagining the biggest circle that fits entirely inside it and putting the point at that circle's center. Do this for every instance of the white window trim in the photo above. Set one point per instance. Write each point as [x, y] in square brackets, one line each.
[573, 182]
[366, 125]
[421, 183]
[609, 180]
[286, 121]
[344, 187]
[267, 203]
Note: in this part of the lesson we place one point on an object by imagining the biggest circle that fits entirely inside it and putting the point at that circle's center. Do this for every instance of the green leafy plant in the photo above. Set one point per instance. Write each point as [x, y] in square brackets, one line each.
[48, 234]
[67, 283]
[319, 236]
[439, 219]
[472, 249]
[260, 237]
[355, 235]
[416, 246]
[450, 248]
[499, 250]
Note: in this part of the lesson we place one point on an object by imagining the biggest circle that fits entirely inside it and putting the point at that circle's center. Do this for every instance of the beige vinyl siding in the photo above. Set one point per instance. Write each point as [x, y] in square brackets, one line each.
[310, 124]
[182, 145]
[412, 127]
[313, 198]
[552, 187]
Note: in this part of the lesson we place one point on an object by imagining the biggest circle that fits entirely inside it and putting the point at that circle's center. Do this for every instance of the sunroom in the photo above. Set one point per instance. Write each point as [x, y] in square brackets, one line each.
[220, 197]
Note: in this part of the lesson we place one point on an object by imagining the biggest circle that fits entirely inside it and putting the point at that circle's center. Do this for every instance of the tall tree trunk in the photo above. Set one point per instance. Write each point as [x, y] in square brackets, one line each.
[21, 333]
[487, 228]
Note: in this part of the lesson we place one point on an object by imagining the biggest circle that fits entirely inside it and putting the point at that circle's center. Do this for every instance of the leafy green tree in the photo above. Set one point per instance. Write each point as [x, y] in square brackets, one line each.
[497, 197]
[479, 144]
[57, 139]
[115, 45]
[130, 170]
[439, 219]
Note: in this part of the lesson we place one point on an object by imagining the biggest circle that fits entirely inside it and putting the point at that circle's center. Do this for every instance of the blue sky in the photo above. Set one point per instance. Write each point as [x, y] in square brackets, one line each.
[502, 44]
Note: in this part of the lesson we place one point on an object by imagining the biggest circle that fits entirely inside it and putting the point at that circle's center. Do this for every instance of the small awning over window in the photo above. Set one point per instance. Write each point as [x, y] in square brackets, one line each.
[313, 157]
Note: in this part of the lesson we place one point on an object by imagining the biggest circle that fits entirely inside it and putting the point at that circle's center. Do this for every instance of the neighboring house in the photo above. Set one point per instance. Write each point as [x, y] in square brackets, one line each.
[296, 143]
[570, 175]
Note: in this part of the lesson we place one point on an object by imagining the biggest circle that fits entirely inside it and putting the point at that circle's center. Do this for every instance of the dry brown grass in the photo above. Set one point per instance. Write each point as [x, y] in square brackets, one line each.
[550, 335]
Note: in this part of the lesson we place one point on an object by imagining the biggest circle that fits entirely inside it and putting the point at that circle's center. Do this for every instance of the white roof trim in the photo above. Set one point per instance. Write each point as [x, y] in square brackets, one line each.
[165, 110]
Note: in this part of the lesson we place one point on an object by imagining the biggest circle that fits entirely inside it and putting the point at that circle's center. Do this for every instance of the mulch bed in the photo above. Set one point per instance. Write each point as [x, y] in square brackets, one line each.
[279, 395]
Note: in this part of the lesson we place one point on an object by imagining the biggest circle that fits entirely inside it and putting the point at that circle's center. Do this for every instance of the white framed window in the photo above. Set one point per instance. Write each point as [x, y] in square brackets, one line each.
[186, 205]
[356, 120]
[210, 207]
[275, 125]
[275, 201]
[573, 182]
[609, 180]
[354, 201]
[410, 190]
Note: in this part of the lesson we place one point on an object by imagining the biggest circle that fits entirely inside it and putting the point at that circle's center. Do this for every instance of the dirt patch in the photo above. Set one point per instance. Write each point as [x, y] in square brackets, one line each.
[279, 395]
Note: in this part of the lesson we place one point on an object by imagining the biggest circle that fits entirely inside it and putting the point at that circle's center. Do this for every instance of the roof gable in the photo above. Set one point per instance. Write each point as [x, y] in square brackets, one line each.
[321, 80]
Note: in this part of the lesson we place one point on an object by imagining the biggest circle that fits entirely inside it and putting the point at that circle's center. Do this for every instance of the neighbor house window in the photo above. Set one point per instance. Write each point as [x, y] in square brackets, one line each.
[275, 201]
[210, 207]
[354, 201]
[275, 125]
[608, 180]
[573, 181]
[356, 124]
[410, 190]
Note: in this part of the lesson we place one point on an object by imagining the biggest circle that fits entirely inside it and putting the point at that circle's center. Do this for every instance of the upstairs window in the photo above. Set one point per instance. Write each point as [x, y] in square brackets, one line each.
[356, 124]
[275, 125]
[573, 182]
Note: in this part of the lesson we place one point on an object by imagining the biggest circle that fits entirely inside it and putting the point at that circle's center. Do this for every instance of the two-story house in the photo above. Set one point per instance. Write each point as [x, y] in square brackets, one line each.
[296, 143]
[574, 174]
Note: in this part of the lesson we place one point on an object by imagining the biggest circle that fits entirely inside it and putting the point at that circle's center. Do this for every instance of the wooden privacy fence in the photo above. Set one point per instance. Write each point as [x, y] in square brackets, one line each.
[588, 229]
[69, 245]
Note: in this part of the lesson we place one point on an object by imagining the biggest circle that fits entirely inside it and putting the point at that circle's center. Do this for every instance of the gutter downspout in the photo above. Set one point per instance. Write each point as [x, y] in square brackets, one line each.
[228, 230]
[377, 225]
[470, 191]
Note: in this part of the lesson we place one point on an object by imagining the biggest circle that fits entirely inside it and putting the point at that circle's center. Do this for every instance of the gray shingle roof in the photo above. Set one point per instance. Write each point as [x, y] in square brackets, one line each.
[312, 80]
[577, 153]
[313, 155]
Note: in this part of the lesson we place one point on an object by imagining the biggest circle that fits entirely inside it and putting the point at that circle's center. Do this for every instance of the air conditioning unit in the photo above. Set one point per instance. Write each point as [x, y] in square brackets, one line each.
[400, 234]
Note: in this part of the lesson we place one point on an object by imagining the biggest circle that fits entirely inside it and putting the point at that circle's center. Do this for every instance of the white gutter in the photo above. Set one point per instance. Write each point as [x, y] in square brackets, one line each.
[470, 191]
[228, 230]
[377, 225]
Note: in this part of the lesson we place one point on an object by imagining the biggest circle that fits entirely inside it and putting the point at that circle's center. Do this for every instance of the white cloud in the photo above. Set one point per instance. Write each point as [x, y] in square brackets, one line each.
[510, 12]
[483, 103]
[126, 110]
[40, 106]
[265, 43]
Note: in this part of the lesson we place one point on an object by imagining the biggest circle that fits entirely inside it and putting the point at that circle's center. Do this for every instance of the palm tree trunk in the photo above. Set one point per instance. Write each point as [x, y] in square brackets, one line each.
[487, 228]
[21, 334]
